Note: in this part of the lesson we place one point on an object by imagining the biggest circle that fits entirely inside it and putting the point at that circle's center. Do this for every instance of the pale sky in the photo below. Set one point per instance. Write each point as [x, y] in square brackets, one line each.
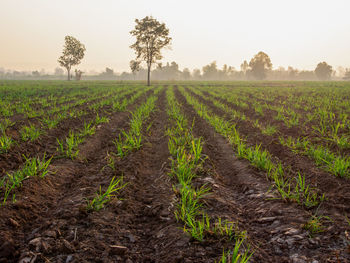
[300, 33]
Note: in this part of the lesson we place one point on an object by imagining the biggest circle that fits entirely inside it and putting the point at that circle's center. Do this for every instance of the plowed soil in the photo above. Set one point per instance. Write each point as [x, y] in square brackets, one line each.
[49, 222]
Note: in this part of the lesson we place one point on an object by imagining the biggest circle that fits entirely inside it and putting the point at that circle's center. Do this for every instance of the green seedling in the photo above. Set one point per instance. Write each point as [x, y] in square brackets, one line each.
[32, 167]
[315, 224]
[238, 255]
[101, 199]
[110, 158]
[190, 205]
[5, 143]
[120, 106]
[50, 122]
[30, 133]
[70, 145]
[100, 120]
[4, 124]
[88, 130]
[269, 130]
[225, 228]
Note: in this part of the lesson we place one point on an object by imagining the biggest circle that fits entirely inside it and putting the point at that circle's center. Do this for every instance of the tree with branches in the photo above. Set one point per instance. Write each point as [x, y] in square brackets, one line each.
[151, 37]
[73, 53]
[259, 65]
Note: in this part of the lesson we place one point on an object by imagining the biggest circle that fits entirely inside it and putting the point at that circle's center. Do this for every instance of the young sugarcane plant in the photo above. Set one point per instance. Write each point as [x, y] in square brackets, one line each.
[30, 133]
[5, 143]
[99, 201]
[236, 256]
[70, 145]
[32, 167]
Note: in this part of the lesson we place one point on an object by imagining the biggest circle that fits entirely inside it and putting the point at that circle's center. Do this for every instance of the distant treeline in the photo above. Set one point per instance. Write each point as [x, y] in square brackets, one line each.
[171, 71]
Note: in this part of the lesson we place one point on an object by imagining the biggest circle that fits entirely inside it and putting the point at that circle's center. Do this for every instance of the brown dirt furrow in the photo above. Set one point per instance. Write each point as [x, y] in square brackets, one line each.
[295, 131]
[50, 222]
[274, 227]
[336, 189]
[20, 120]
[46, 143]
[46, 208]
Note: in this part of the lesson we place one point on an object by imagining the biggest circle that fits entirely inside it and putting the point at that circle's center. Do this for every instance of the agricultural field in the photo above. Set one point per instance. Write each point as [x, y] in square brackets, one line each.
[186, 172]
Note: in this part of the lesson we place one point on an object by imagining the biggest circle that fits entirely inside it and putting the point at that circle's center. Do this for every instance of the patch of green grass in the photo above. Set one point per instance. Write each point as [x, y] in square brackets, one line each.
[239, 254]
[5, 143]
[269, 130]
[69, 147]
[30, 133]
[102, 198]
[32, 167]
[99, 120]
[4, 124]
[315, 224]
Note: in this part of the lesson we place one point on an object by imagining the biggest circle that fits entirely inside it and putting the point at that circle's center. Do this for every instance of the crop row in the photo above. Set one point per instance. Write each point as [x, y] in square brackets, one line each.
[123, 148]
[36, 167]
[187, 161]
[37, 106]
[290, 186]
[32, 132]
[332, 126]
[331, 162]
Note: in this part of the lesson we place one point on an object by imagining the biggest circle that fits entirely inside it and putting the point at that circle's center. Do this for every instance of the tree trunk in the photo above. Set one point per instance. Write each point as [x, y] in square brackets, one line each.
[149, 75]
[68, 70]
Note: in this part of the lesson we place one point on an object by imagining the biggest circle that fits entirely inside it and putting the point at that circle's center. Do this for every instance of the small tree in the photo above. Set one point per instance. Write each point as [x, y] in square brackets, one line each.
[323, 71]
[260, 64]
[73, 53]
[134, 66]
[151, 37]
[244, 67]
[347, 74]
[78, 74]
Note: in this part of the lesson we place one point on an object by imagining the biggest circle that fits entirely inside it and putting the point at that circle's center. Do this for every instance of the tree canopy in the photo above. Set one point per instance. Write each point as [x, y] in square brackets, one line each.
[259, 65]
[323, 71]
[151, 37]
[73, 53]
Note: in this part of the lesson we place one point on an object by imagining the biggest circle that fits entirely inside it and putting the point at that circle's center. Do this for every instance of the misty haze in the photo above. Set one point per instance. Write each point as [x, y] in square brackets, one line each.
[174, 131]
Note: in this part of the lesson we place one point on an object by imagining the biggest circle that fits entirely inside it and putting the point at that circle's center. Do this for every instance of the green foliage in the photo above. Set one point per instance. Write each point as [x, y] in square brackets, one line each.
[33, 167]
[4, 124]
[50, 122]
[69, 147]
[269, 130]
[187, 159]
[132, 140]
[100, 120]
[294, 191]
[30, 133]
[73, 53]
[315, 224]
[236, 256]
[88, 130]
[120, 106]
[101, 199]
[260, 64]
[151, 37]
[5, 143]
[323, 71]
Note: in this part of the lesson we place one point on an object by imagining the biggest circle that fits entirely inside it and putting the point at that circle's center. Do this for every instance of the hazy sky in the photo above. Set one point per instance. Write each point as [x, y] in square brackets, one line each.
[299, 33]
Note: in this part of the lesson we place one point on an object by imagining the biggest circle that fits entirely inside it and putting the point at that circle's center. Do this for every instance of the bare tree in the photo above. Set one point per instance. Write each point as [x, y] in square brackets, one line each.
[73, 53]
[151, 37]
